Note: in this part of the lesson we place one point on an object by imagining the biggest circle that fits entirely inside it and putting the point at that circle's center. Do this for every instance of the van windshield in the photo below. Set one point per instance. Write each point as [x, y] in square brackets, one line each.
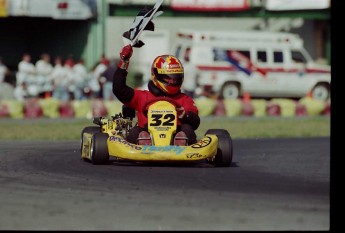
[300, 56]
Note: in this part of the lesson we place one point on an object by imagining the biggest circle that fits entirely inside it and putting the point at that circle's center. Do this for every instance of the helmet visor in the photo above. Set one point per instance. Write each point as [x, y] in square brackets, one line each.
[170, 79]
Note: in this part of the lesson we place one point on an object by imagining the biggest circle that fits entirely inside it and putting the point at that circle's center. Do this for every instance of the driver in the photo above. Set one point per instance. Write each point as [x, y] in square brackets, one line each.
[167, 75]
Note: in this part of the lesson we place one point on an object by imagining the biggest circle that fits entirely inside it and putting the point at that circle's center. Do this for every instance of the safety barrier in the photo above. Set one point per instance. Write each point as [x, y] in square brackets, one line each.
[52, 108]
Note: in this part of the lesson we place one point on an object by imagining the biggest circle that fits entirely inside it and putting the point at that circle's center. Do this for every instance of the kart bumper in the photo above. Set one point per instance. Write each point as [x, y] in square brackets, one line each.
[203, 149]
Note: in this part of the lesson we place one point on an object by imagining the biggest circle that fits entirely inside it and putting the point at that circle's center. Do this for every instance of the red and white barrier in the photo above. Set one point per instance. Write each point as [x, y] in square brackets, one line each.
[52, 108]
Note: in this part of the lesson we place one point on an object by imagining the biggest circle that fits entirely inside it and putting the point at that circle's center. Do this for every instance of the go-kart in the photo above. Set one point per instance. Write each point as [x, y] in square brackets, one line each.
[109, 139]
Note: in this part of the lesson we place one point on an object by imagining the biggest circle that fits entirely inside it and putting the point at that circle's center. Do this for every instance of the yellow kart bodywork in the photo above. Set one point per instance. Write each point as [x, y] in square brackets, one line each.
[119, 148]
[98, 143]
[205, 148]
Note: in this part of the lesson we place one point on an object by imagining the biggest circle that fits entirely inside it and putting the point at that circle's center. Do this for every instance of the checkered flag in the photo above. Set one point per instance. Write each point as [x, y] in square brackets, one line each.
[143, 21]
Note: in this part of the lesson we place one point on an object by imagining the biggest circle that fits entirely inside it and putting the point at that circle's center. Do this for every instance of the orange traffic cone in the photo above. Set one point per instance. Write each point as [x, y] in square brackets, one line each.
[246, 97]
[310, 94]
[47, 95]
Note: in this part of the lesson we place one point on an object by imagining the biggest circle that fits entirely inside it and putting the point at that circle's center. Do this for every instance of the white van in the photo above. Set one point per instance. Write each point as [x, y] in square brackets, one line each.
[262, 64]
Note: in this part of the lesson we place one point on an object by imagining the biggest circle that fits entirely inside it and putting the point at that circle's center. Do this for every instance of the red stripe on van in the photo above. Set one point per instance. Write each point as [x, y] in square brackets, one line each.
[317, 71]
[232, 68]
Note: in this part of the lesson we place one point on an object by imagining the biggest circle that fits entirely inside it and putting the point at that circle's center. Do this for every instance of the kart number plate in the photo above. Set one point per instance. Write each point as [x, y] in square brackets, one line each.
[162, 122]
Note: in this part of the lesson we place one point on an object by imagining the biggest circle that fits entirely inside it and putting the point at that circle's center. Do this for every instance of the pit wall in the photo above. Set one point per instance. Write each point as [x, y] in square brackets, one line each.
[52, 108]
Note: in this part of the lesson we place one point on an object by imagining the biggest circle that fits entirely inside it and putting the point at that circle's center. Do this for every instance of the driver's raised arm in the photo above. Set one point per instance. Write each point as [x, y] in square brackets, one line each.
[120, 89]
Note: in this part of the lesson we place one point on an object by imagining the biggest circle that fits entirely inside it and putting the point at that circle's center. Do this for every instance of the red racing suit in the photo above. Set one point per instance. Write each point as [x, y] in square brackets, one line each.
[137, 99]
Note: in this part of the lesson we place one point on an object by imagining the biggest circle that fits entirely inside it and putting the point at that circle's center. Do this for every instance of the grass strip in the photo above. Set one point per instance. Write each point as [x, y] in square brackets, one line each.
[239, 127]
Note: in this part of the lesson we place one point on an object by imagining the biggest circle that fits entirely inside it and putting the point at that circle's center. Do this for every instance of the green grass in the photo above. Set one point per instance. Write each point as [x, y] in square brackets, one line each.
[239, 127]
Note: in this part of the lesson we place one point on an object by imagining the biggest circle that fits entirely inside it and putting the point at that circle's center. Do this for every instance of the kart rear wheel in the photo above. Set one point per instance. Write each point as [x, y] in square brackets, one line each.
[217, 131]
[90, 130]
[223, 157]
[99, 148]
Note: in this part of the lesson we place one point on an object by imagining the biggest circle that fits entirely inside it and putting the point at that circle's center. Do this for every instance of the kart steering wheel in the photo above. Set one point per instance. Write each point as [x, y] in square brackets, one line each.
[163, 98]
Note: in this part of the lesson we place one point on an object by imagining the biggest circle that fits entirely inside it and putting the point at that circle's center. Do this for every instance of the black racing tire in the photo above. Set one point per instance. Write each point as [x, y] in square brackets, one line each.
[90, 130]
[217, 131]
[134, 134]
[224, 154]
[99, 148]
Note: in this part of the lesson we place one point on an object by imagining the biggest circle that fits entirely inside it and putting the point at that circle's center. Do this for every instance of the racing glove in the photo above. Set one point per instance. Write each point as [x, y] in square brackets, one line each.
[125, 55]
[192, 119]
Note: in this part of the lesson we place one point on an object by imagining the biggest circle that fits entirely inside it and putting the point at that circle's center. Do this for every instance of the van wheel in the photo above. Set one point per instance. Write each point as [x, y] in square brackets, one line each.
[321, 91]
[230, 90]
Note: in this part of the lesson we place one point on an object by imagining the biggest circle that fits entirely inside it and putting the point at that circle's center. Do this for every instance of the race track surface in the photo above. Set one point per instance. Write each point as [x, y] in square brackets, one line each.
[273, 184]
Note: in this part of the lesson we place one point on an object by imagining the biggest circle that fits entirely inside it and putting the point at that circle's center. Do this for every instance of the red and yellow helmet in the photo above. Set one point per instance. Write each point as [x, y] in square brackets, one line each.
[167, 74]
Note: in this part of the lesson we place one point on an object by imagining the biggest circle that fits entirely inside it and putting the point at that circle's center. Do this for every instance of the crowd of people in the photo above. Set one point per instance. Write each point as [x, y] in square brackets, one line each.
[63, 79]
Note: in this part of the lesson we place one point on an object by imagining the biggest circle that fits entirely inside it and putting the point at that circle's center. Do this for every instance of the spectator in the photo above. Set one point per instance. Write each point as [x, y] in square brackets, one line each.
[68, 65]
[59, 77]
[44, 69]
[106, 80]
[80, 79]
[97, 71]
[43, 66]
[20, 92]
[69, 61]
[104, 59]
[4, 71]
[27, 73]
[25, 68]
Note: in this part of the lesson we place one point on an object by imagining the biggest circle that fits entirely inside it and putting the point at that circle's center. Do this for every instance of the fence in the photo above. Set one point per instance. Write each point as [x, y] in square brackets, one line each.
[52, 108]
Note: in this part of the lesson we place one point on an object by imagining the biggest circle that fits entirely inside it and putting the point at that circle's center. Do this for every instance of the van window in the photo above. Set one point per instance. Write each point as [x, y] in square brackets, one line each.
[219, 55]
[222, 55]
[298, 57]
[262, 56]
[245, 53]
[278, 57]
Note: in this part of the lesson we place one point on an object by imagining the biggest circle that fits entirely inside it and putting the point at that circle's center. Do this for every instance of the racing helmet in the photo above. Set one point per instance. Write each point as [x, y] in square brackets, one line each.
[167, 74]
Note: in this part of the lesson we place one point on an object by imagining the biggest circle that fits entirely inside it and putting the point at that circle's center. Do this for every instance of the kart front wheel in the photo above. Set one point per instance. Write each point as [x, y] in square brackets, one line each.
[99, 148]
[89, 130]
[223, 157]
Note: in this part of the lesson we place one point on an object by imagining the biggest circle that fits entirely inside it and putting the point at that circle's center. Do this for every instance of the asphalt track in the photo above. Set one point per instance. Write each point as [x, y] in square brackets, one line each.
[273, 184]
